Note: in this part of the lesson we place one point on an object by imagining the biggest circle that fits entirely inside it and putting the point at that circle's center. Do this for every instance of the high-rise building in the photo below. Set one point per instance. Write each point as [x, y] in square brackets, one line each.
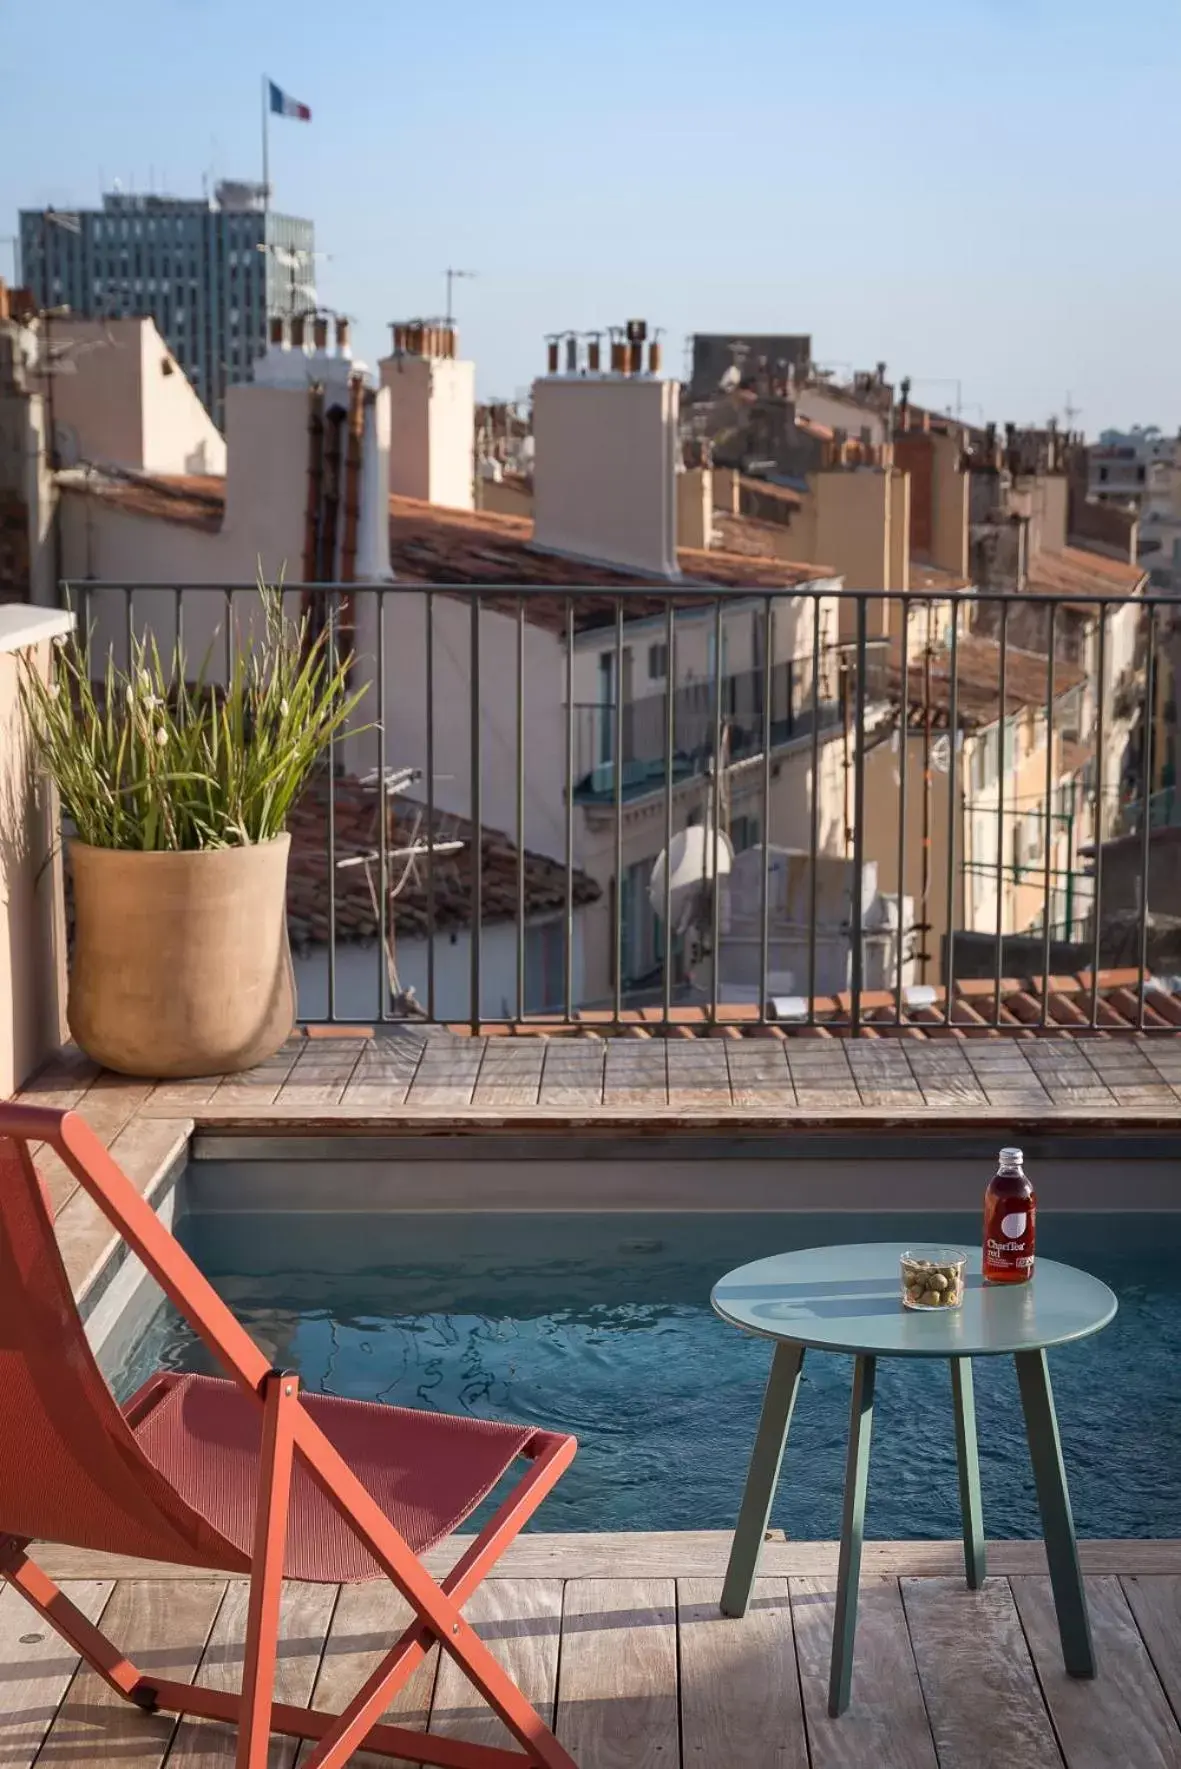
[208, 271]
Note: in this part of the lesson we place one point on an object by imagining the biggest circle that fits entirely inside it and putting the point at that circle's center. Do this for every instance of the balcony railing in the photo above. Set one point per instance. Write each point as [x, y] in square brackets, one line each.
[474, 855]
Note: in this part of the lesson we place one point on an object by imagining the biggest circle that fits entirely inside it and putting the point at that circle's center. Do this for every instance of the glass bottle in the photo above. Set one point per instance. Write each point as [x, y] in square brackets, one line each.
[1010, 1223]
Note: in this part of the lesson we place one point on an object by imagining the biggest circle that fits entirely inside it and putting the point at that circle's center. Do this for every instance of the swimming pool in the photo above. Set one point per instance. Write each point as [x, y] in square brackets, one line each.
[600, 1324]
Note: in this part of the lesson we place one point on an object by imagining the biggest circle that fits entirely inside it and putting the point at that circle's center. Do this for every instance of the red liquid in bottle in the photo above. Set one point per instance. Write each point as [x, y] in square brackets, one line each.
[1010, 1223]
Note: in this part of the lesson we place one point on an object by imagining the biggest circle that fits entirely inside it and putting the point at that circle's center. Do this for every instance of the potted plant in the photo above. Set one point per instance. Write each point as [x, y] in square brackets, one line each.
[178, 793]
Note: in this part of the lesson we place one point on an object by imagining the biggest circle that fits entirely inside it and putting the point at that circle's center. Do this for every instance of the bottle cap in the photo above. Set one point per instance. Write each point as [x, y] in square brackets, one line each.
[1012, 1155]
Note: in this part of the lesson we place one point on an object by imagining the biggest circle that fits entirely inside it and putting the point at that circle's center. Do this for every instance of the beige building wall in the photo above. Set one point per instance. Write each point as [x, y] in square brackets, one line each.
[121, 399]
[32, 912]
[926, 827]
[727, 490]
[695, 507]
[949, 503]
[605, 468]
[899, 530]
[506, 497]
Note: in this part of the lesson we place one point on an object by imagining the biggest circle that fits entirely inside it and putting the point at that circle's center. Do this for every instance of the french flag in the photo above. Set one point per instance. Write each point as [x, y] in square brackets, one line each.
[283, 106]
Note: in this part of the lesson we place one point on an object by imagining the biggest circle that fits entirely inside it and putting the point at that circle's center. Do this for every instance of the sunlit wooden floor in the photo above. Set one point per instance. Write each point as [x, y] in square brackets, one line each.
[619, 1639]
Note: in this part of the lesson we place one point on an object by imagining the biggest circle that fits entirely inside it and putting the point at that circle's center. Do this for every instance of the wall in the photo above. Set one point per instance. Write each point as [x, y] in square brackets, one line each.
[28, 495]
[432, 428]
[695, 507]
[823, 407]
[899, 530]
[507, 497]
[357, 980]
[115, 403]
[603, 481]
[32, 913]
[949, 503]
[881, 844]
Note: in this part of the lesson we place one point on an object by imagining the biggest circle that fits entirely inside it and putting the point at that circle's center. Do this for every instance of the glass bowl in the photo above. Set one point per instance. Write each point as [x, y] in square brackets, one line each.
[932, 1277]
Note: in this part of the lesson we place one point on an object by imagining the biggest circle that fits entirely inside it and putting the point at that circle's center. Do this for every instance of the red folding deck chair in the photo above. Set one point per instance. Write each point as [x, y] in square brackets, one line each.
[239, 1475]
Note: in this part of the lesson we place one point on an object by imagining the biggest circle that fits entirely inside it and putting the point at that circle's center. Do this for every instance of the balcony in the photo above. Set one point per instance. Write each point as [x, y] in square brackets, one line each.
[688, 1107]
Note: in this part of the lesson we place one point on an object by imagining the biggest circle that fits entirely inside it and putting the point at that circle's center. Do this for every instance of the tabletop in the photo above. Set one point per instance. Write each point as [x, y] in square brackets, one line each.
[850, 1299]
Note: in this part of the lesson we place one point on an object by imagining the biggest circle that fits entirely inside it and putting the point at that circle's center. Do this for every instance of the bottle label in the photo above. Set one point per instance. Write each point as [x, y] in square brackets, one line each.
[1009, 1244]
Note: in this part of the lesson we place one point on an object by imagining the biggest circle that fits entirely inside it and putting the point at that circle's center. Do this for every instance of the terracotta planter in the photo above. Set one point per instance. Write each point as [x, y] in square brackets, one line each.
[181, 964]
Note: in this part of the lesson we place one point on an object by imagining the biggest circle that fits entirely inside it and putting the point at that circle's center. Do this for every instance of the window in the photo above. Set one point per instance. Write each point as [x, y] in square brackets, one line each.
[657, 662]
[744, 833]
[638, 923]
[1103, 475]
[1140, 475]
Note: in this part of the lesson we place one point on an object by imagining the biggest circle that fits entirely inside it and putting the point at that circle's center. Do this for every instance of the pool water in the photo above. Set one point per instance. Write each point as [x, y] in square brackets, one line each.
[601, 1325]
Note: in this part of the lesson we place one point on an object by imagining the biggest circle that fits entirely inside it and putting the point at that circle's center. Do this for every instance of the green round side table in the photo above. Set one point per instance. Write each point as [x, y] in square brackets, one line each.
[848, 1299]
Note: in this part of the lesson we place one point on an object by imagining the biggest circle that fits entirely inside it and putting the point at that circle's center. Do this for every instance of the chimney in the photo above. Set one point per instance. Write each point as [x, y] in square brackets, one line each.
[594, 352]
[298, 327]
[277, 331]
[571, 353]
[605, 455]
[320, 332]
[432, 415]
[342, 336]
[551, 354]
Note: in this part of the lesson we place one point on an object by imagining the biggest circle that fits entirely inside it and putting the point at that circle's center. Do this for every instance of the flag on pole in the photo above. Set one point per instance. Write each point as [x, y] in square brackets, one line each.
[284, 106]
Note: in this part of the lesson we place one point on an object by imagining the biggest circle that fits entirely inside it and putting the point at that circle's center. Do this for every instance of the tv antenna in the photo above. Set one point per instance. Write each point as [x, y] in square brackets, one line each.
[454, 276]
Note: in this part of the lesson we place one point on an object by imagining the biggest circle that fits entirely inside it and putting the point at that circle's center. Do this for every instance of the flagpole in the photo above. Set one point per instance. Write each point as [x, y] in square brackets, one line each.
[266, 167]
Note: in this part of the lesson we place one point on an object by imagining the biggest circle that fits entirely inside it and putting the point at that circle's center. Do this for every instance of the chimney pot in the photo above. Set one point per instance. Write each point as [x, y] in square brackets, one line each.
[342, 334]
[593, 354]
[571, 353]
[320, 332]
[654, 357]
[298, 324]
[278, 331]
[551, 356]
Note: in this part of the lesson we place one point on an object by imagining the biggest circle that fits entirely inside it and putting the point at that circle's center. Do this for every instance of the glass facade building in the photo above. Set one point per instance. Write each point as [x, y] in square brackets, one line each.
[208, 271]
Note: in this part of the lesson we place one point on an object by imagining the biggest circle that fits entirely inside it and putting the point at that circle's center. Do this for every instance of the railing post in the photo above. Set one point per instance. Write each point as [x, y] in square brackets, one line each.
[857, 979]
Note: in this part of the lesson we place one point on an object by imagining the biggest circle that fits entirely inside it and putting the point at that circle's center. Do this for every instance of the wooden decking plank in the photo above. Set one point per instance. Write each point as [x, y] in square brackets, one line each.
[573, 1072]
[163, 1627]
[303, 1622]
[740, 1689]
[321, 1073]
[510, 1074]
[1155, 1602]
[367, 1622]
[36, 1666]
[1120, 1717]
[617, 1683]
[636, 1073]
[886, 1723]
[260, 1086]
[520, 1620]
[143, 1148]
[978, 1680]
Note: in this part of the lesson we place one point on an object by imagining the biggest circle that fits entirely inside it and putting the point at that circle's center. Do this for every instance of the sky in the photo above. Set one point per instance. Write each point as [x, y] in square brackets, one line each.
[974, 190]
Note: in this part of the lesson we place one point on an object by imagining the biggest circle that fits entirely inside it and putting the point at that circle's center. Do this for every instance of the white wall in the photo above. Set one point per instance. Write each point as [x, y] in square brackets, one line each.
[604, 476]
[122, 399]
[432, 428]
[357, 980]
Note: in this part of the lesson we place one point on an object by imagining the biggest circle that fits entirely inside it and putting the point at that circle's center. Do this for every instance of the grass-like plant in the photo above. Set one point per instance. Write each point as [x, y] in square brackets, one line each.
[143, 758]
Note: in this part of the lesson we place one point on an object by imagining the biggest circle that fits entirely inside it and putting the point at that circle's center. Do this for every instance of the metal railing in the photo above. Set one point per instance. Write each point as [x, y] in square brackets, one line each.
[474, 855]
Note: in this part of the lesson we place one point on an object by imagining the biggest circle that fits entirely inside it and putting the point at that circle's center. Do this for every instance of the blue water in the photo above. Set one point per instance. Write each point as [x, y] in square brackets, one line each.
[601, 1325]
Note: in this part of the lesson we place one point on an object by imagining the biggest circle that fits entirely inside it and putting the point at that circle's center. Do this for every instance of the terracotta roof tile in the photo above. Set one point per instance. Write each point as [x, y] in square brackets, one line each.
[1074, 571]
[978, 677]
[357, 834]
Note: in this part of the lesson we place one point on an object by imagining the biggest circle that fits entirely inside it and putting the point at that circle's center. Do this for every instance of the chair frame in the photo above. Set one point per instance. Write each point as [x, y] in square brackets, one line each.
[288, 1431]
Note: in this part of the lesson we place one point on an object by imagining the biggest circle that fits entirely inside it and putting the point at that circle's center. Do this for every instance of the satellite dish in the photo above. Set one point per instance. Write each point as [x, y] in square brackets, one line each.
[941, 753]
[690, 864]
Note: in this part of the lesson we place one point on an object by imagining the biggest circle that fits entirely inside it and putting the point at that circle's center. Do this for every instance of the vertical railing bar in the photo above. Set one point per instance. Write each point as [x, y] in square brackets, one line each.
[858, 955]
[953, 765]
[670, 736]
[765, 881]
[1146, 812]
[1048, 833]
[178, 627]
[129, 617]
[903, 774]
[1000, 816]
[520, 808]
[331, 651]
[229, 647]
[569, 952]
[430, 804]
[385, 932]
[618, 783]
[1097, 886]
[477, 810]
[814, 809]
[715, 939]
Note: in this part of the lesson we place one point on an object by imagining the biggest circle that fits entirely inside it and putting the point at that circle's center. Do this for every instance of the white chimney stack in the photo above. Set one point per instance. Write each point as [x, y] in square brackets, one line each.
[432, 415]
[604, 477]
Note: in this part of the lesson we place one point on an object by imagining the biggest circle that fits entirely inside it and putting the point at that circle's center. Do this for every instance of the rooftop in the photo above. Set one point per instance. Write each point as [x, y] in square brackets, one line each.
[1076, 571]
[977, 679]
[357, 887]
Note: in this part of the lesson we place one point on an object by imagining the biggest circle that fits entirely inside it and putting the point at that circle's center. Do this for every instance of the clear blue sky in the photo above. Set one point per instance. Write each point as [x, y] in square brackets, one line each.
[985, 189]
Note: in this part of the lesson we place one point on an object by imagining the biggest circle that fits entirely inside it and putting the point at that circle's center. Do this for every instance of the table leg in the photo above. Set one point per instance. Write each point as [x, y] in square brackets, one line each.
[1049, 1474]
[968, 1463]
[844, 1625]
[762, 1477]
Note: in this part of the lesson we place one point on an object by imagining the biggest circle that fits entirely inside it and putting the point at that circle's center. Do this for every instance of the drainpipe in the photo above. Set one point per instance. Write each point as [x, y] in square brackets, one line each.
[311, 528]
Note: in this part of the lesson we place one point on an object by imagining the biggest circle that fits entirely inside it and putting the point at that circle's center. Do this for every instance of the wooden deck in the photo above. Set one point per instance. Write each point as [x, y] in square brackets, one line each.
[619, 1639]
